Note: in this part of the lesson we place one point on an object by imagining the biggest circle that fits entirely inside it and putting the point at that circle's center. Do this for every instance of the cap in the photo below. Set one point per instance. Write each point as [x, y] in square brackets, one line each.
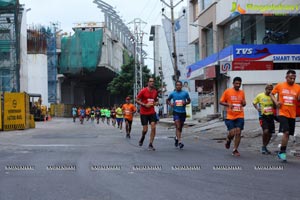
[127, 98]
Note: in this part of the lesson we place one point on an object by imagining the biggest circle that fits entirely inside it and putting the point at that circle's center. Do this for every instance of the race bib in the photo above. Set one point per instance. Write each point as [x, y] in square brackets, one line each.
[268, 110]
[288, 100]
[236, 107]
[127, 112]
[150, 102]
[179, 103]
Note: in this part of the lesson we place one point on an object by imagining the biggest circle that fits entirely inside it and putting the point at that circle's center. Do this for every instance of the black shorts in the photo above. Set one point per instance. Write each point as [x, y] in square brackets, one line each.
[267, 122]
[148, 119]
[179, 116]
[287, 124]
[129, 121]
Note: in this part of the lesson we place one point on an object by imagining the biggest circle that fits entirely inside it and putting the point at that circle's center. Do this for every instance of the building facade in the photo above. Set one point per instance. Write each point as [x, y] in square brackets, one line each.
[255, 40]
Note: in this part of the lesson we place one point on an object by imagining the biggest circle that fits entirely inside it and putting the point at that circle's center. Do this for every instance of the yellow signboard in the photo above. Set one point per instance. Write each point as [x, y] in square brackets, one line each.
[14, 111]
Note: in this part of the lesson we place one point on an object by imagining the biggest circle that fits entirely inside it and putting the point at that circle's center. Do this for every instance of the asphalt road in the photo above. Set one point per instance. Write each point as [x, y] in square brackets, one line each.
[66, 161]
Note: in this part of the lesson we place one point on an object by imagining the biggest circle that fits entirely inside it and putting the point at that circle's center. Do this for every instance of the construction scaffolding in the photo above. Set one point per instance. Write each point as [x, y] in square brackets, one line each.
[10, 22]
[81, 51]
[52, 62]
[42, 40]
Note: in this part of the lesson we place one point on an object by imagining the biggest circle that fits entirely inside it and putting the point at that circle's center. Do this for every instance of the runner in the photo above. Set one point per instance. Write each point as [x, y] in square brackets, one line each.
[82, 115]
[74, 113]
[128, 110]
[234, 101]
[180, 99]
[147, 98]
[102, 113]
[119, 116]
[264, 105]
[113, 116]
[97, 114]
[107, 115]
[288, 93]
[87, 113]
[92, 114]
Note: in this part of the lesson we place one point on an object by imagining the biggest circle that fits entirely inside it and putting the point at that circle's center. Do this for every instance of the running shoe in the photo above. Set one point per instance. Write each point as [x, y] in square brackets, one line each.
[282, 156]
[181, 145]
[142, 140]
[151, 148]
[227, 144]
[264, 150]
[128, 136]
[236, 153]
[176, 142]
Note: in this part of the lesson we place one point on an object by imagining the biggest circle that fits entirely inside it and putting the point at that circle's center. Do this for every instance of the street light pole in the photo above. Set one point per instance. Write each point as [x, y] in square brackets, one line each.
[174, 54]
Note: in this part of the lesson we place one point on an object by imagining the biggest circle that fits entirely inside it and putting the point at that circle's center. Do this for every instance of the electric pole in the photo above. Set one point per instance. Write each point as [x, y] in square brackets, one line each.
[172, 20]
[138, 66]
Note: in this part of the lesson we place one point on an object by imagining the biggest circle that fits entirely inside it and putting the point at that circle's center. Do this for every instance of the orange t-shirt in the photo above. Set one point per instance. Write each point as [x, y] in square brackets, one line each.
[128, 110]
[287, 96]
[235, 98]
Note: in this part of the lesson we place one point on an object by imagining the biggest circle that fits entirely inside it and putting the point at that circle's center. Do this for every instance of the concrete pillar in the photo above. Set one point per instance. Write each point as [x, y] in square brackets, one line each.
[60, 79]
[72, 91]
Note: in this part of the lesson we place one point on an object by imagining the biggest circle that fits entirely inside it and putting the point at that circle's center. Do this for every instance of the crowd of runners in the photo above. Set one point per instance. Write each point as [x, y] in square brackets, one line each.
[275, 103]
[111, 116]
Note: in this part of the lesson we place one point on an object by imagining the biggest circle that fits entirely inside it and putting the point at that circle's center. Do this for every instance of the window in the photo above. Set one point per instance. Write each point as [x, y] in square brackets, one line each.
[197, 52]
[209, 47]
[232, 33]
[205, 4]
[195, 9]
[285, 29]
[249, 33]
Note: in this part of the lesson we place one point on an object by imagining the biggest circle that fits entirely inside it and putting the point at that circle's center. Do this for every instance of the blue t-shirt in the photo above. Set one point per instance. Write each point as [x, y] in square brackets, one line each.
[178, 100]
[74, 111]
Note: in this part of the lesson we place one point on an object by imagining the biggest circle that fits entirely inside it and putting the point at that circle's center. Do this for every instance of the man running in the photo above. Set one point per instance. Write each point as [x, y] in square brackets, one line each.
[92, 113]
[102, 114]
[97, 113]
[234, 100]
[147, 98]
[82, 114]
[264, 105]
[74, 113]
[288, 93]
[113, 116]
[128, 110]
[119, 116]
[180, 99]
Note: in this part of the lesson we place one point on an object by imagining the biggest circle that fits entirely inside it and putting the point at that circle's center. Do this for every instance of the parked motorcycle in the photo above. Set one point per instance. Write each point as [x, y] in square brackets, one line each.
[278, 37]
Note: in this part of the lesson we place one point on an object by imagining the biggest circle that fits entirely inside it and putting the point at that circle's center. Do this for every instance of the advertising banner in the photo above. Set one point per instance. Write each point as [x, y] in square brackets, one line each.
[252, 65]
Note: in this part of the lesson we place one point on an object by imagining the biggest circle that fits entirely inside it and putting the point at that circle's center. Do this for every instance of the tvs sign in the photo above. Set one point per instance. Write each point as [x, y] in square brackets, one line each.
[243, 51]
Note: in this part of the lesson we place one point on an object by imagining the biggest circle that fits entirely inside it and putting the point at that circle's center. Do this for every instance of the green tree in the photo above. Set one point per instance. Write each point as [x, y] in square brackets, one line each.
[123, 83]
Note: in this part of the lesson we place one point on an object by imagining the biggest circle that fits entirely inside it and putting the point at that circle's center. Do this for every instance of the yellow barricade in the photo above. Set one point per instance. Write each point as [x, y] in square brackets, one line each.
[15, 111]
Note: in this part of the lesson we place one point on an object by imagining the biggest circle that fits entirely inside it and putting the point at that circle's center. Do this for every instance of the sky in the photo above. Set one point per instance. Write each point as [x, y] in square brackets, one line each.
[69, 12]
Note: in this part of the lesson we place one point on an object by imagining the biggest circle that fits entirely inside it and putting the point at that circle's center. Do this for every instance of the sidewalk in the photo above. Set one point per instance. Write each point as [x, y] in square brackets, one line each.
[252, 134]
